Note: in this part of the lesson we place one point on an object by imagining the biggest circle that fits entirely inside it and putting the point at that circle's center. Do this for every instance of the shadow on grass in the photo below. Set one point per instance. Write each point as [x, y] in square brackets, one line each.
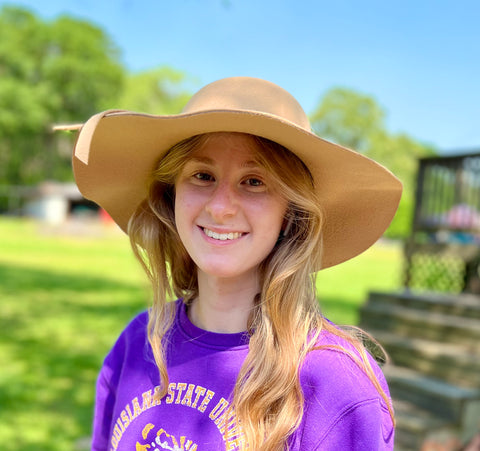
[55, 330]
[28, 284]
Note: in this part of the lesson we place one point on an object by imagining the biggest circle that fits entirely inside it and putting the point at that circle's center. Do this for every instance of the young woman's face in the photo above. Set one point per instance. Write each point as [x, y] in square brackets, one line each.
[227, 211]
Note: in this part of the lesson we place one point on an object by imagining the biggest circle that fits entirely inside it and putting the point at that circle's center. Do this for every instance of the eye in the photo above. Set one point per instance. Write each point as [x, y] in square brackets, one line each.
[255, 182]
[203, 177]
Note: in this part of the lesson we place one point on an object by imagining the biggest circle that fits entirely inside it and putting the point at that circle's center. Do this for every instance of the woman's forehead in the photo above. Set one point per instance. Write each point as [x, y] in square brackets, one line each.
[234, 144]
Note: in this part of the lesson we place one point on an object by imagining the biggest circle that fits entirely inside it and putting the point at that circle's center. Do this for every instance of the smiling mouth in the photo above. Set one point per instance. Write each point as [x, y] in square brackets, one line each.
[222, 236]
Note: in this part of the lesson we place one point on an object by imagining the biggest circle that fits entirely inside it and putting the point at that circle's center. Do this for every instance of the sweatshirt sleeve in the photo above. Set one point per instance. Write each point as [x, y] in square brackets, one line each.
[104, 404]
[107, 384]
[343, 410]
[131, 342]
[362, 426]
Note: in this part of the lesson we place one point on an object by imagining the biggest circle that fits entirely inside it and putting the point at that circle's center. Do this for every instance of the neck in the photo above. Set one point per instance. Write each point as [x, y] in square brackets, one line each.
[223, 305]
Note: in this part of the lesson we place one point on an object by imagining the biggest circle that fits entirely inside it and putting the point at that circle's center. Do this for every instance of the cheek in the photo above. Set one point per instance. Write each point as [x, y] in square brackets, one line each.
[183, 202]
[270, 215]
[187, 205]
[188, 197]
[180, 213]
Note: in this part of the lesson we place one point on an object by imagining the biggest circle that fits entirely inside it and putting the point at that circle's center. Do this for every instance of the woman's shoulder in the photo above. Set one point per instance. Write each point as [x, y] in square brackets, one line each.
[335, 361]
[139, 321]
[131, 340]
[340, 396]
[137, 327]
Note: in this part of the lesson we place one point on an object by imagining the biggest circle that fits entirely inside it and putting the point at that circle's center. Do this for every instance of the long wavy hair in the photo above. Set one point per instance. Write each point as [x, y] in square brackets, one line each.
[285, 322]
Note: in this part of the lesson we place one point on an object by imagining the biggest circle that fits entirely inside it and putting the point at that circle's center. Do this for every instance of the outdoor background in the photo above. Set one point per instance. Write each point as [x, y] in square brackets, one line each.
[394, 81]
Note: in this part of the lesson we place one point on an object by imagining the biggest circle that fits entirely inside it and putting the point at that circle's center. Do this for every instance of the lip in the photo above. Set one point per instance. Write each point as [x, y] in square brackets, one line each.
[221, 232]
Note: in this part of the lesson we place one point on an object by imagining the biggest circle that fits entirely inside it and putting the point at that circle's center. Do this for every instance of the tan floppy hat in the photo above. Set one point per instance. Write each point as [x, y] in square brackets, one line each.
[116, 152]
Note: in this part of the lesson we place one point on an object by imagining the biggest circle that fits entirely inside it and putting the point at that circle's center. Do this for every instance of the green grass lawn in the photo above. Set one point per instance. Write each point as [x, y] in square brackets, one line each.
[344, 288]
[65, 299]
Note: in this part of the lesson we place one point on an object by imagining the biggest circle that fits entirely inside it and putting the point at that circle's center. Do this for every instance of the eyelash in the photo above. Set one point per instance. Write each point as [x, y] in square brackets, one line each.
[206, 177]
[202, 176]
[250, 179]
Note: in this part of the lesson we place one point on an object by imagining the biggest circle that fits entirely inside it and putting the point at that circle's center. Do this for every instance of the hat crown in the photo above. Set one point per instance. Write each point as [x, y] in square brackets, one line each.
[249, 94]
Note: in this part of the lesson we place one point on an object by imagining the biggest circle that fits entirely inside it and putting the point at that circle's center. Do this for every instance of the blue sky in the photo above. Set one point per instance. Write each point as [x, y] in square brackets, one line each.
[419, 59]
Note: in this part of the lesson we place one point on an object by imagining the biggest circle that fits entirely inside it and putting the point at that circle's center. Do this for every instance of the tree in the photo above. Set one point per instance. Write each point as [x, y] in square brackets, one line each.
[348, 118]
[61, 71]
[400, 153]
[156, 91]
[357, 121]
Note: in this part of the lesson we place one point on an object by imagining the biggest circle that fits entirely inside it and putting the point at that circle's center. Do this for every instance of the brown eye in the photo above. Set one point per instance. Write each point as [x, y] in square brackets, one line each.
[254, 182]
[204, 177]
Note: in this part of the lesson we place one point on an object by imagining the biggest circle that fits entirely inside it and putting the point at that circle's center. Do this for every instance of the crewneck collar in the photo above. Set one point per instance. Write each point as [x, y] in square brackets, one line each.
[205, 337]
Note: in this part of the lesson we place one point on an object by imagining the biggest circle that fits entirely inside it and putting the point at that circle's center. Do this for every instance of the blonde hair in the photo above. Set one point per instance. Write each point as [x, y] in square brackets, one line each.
[286, 320]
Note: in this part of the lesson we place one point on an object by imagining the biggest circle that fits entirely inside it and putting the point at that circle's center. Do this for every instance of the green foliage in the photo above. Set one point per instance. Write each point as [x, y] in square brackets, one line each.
[357, 121]
[401, 225]
[400, 153]
[61, 71]
[348, 118]
[24, 102]
[157, 91]
[82, 65]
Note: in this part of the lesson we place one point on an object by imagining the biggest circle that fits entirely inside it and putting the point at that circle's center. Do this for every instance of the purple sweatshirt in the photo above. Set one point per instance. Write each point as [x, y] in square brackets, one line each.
[343, 410]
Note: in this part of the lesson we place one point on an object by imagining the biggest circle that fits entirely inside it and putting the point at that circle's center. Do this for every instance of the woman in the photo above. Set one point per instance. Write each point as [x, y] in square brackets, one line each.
[231, 207]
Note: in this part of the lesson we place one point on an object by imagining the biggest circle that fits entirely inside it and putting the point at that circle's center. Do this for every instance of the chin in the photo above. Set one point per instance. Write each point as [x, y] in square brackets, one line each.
[223, 271]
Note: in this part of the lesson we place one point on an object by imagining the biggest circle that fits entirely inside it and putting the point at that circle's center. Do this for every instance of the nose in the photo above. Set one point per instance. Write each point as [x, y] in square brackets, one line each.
[222, 203]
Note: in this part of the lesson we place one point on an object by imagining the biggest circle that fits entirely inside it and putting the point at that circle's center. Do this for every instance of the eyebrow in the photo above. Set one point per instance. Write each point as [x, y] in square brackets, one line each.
[210, 161]
[205, 160]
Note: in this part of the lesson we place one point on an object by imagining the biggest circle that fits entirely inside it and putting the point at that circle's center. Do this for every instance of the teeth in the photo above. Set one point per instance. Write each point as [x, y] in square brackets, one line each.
[222, 236]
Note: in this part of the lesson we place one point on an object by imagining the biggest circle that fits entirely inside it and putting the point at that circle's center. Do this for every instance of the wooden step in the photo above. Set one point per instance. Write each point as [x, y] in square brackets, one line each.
[464, 305]
[419, 429]
[434, 343]
[455, 363]
[414, 424]
[422, 324]
[446, 401]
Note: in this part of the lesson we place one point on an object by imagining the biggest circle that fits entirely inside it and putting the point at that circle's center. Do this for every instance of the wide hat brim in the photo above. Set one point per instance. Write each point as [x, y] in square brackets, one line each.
[117, 151]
